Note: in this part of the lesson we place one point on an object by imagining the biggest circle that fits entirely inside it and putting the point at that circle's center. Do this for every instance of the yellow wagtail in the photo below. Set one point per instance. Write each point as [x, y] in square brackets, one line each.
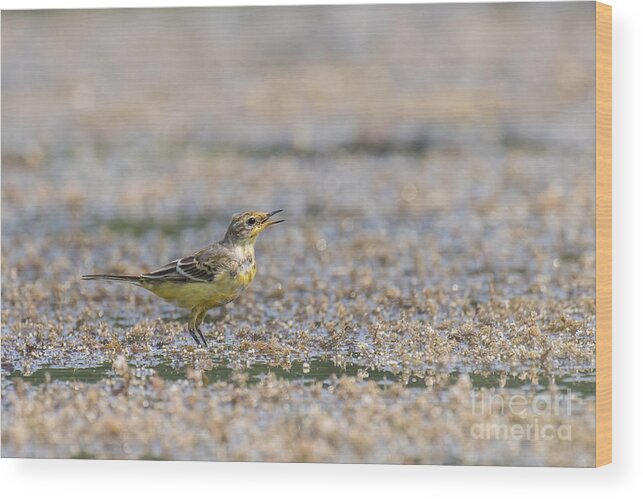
[209, 278]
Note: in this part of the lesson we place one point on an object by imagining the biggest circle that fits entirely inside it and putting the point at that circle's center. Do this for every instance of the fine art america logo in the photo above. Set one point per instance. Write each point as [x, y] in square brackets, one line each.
[520, 417]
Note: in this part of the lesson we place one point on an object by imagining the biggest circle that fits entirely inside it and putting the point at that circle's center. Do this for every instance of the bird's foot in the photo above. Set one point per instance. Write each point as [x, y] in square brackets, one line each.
[200, 339]
[205, 343]
[194, 337]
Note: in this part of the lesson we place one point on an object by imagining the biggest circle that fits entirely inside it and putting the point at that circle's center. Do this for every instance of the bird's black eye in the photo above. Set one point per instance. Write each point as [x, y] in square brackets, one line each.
[251, 221]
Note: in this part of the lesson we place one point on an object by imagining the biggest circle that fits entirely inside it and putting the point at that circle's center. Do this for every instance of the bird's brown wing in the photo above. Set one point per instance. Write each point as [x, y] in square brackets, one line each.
[203, 266]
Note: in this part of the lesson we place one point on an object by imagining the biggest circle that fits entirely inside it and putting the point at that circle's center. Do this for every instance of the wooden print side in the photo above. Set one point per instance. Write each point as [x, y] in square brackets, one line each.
[603, 234]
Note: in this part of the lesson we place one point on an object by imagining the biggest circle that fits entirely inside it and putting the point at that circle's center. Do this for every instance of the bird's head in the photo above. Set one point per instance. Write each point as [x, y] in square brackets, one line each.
[245, 227]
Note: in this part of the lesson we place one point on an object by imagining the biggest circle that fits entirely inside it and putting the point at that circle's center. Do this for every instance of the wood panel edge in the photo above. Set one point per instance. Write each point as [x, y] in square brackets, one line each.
[603, 234]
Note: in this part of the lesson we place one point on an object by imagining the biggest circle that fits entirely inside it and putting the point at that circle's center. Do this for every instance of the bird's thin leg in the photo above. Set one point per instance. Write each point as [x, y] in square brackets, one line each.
[192, 328]
[197, 323]
[205, 343]
[194, 337]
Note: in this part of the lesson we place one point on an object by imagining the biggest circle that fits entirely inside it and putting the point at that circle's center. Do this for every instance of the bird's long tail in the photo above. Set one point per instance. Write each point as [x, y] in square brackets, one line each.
[134, 279]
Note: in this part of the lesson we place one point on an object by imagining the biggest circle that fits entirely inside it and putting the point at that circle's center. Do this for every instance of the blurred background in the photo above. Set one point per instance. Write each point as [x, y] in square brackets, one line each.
[171, 112]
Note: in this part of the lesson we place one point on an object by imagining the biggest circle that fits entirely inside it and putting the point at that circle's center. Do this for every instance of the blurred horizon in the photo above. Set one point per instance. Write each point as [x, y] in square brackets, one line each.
[443, 115]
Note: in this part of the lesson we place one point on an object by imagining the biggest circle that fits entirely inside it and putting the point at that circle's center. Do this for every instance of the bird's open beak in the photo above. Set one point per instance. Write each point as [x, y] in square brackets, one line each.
[268, 223]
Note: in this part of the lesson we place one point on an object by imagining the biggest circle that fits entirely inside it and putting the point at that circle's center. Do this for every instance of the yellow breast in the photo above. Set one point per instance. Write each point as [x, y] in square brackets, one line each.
[247, 268]
[245, 278]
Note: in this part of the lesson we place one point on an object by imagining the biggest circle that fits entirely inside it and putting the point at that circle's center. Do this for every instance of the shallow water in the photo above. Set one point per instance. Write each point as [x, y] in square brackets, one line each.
[582, 383]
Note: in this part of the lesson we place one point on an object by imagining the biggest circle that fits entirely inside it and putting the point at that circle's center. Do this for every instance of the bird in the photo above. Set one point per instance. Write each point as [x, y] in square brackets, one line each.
[212, 277]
